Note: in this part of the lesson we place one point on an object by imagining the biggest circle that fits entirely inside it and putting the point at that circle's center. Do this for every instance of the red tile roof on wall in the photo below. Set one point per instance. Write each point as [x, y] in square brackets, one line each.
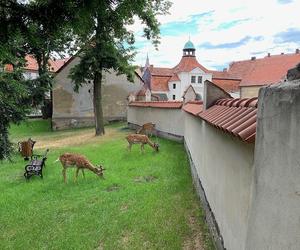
[193, 107]
[264, 71]
[157, 104]
[234, 116]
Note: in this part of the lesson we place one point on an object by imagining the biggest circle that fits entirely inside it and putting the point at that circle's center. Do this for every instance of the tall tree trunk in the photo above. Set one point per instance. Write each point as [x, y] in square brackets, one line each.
[98, 112]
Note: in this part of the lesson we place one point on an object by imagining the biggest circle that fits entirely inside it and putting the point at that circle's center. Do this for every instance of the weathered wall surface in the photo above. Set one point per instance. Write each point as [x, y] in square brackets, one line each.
[275, 211]
[224, 167]
[249, 92]
[250, 192]
[72, 109]
[168, 121]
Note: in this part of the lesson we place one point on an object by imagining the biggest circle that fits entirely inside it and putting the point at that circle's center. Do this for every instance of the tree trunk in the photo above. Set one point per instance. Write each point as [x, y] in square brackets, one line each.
[98, 112]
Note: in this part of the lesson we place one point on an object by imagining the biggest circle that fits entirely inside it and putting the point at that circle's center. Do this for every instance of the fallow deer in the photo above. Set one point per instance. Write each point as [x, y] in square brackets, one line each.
[146, 129]
[140, 139]
[80, 162]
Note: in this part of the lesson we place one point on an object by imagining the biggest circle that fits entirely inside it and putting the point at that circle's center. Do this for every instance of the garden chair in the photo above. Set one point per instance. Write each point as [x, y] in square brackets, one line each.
[35, 167]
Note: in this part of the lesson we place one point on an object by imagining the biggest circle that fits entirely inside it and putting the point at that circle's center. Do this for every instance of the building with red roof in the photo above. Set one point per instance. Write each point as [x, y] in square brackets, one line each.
[258, 72]
[242, 78]
[31, 68]
[171, 83]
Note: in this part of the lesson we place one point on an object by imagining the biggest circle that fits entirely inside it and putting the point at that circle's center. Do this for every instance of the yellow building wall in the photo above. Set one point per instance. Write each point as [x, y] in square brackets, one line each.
[249, 92]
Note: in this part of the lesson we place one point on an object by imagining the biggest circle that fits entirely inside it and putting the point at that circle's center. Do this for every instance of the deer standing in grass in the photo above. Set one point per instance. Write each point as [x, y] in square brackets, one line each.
[80, 162]
[146, 129]
[141, 139]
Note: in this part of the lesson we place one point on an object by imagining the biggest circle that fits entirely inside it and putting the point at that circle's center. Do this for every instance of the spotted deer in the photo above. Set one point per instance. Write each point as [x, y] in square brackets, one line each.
[69, 160]
[146, 129]
[141, 139]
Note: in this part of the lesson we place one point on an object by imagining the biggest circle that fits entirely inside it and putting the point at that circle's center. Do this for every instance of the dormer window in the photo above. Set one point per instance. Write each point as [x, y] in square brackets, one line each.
[199, 79]
[193, 79]
[174, 85]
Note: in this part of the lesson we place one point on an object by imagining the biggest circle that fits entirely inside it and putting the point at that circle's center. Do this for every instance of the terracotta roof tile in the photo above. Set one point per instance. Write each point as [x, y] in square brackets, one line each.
[160, 83]
[174, 78]
[235, 116]
[264, 71]
[193, 108]
[156, 71]
[187, 64]
[158, 104]
[31, 64]
[227, 84]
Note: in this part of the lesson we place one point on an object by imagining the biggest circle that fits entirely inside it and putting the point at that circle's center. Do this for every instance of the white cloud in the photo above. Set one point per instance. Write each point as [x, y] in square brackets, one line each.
[261, 19]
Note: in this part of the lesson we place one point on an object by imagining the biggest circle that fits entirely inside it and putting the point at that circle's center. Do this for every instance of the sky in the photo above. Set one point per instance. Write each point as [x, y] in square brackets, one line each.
[223, 31]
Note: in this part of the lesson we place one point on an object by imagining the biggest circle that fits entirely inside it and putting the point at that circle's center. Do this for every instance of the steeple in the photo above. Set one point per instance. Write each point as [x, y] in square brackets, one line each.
[147, 64]
[189, 49]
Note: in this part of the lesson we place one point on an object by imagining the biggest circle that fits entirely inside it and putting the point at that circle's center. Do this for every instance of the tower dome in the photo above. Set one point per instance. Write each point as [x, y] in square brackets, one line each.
[189, 49]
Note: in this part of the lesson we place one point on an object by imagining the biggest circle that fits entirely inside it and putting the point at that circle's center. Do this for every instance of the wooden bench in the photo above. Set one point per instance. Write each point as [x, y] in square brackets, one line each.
[35, 167]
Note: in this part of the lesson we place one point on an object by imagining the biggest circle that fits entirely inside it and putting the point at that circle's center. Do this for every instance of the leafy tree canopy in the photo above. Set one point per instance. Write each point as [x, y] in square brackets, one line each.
[102, 27]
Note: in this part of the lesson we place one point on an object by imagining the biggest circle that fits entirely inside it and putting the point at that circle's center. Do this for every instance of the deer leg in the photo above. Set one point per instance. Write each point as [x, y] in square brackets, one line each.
[142, 148]
[64, 175]
[82, 170]
[129, 147]
[76, 174]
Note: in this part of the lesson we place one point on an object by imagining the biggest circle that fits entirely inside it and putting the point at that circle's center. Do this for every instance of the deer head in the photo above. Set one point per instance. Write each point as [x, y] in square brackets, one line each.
[99, 171]
[156, 146]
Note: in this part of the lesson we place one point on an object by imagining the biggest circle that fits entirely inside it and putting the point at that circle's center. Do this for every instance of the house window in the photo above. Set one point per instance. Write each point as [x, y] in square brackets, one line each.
[193, 79]
[174, 85]
[174, 97]
[199, 79]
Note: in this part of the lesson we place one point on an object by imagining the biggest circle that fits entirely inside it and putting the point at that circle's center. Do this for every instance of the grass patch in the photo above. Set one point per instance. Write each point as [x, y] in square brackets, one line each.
[145, 201]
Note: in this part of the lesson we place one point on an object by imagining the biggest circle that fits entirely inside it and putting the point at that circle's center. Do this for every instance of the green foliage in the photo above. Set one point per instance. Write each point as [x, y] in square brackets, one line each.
[145, 201]
[28, 27]
[102, 28]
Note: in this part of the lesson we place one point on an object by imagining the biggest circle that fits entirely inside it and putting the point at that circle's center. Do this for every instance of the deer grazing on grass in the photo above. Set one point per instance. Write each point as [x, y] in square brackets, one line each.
[80, 162]
[146, 129]
[141, 139]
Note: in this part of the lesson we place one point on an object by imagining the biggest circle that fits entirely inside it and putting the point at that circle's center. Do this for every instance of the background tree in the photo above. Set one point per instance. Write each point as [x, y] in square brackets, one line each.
[28, 27]
[102, 26]
[14, 90]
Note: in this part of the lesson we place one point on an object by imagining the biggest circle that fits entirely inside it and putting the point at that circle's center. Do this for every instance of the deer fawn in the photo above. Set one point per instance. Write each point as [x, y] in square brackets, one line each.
[140, 139]
[80, 162]
[146, 129]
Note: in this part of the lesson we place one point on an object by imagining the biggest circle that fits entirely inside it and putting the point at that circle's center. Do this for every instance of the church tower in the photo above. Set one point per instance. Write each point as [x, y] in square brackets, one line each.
[189, 49]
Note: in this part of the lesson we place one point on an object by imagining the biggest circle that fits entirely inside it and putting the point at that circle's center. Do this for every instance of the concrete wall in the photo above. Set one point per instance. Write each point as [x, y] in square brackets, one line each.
[249, 92]
[251, 193]
[224, 167]
[169, 122]
[225, 175]
[275, 210]
[72, 109]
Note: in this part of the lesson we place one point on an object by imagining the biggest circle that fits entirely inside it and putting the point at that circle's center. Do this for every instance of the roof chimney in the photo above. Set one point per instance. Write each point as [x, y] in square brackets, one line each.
[297, 51]
[282, 53]
[253, 58]
[269, 54]
[225, 69]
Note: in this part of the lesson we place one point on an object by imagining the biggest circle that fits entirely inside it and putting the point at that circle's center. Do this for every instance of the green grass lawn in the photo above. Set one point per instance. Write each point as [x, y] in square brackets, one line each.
[146, 201]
